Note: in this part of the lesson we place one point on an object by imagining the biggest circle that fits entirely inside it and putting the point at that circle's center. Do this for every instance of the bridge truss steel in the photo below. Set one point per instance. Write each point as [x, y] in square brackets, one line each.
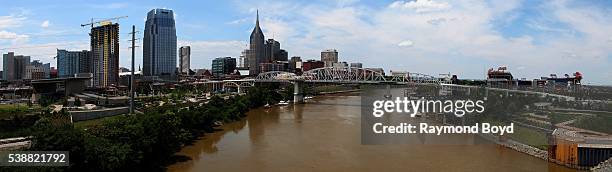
[276, 76]
[347, 75]
[343, 75]
[407, 77]
[238, 83]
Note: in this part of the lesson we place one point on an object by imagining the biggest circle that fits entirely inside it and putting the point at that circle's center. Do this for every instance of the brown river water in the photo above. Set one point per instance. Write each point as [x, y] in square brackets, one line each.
[324, 135]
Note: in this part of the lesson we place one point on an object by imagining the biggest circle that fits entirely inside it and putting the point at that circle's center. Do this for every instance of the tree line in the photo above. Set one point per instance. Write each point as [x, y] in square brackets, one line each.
[138, 142]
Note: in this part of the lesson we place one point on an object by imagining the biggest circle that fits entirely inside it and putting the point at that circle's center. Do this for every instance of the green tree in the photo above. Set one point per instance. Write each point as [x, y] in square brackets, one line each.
[77, 101]
[53, 134]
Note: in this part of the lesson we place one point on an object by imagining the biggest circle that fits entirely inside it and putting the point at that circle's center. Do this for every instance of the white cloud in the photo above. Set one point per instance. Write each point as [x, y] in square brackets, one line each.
[277, 29]
[406, 43]
[569, 54]
[610, 39]
[421, 6]
[45, 24]
[239, 21]
[116, 5]
[5, 35]
[11, 21]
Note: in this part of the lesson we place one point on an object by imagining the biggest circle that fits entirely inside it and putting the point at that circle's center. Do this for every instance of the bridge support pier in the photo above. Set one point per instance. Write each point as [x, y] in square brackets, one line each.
[486, 96]
[297, 92]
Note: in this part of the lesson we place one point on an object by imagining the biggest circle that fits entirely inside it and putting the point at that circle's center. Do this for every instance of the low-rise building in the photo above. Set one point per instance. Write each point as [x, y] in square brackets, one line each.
[295, 64]
[579, 148]
[203, 74]
[340, 65]
[37, 70]
[223, 66]
[356, 65]
[276, 66]
[377, 70]
[312, 64]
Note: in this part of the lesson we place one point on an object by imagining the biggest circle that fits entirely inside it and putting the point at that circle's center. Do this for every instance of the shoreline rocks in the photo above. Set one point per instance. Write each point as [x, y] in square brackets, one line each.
[517, 146]
[605, 166]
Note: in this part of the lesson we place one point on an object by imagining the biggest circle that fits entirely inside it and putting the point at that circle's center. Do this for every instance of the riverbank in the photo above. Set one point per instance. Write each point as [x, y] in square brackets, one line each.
[517, 146]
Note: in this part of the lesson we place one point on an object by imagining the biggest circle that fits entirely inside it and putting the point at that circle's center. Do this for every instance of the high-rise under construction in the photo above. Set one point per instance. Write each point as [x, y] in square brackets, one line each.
[105, 54]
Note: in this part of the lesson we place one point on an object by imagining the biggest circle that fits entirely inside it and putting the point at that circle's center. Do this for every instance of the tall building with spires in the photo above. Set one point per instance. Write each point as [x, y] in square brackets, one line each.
[255, 55]
[263, 53]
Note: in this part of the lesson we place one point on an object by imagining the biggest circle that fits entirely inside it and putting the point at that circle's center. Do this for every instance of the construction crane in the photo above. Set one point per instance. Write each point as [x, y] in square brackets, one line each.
[102, 21]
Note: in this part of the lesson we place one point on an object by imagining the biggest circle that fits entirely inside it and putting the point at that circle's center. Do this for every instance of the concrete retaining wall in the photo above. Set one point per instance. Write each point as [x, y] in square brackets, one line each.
[95, 114]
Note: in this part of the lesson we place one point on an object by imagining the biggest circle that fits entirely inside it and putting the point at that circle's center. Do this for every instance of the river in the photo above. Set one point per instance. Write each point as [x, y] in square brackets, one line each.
[324, 135]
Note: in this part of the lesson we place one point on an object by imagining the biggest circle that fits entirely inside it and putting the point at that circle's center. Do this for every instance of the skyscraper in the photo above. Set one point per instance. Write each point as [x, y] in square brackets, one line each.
[14, 66]
[70, 63]
[255, 55]
[105, 54]
[273, 52]
[329, 57]
[159, 46]
[185, 53]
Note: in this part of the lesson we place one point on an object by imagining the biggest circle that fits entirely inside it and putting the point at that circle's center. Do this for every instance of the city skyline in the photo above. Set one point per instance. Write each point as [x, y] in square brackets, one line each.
[461, 37]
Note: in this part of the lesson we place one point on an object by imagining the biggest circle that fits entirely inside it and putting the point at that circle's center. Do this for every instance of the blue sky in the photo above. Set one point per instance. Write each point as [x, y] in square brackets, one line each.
[464, 37]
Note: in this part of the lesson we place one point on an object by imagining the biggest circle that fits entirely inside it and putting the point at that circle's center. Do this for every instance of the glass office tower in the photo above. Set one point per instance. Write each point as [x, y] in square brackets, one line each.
[159, 46]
